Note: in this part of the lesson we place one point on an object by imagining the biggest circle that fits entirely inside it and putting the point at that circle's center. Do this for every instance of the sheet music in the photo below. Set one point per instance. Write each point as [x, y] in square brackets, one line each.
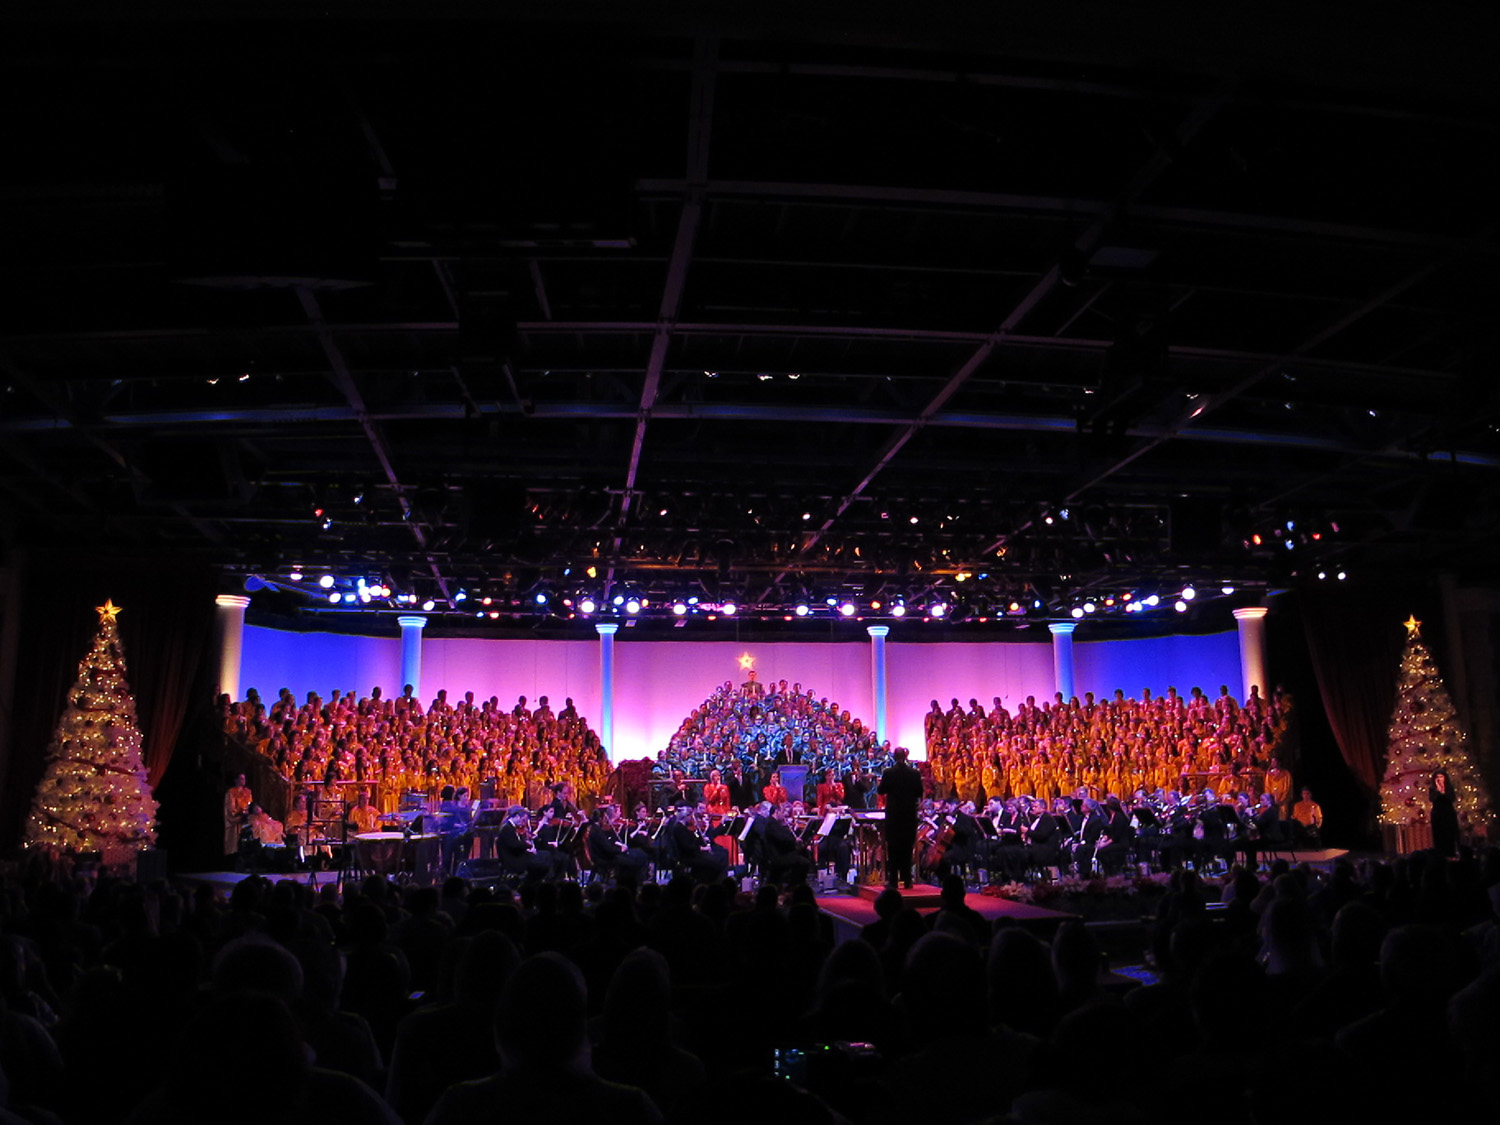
[827, 826]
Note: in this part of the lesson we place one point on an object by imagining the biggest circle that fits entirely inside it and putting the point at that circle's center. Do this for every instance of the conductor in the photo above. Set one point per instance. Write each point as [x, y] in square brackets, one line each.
[901, 786]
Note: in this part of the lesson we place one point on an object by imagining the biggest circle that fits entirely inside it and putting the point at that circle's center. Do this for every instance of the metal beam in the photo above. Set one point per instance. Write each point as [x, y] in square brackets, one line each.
[1083, 246]
[343, 379]
[700, 128]
[1064, 207]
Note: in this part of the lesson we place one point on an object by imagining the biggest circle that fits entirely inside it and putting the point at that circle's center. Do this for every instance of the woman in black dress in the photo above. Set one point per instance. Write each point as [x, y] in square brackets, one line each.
[1444, 815]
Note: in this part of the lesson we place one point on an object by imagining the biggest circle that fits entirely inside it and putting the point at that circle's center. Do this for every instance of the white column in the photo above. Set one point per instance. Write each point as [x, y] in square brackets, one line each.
[607, 631]
[229, 625]
[1251, 620]
[1062, 657]
[878, 634]
[411, 655]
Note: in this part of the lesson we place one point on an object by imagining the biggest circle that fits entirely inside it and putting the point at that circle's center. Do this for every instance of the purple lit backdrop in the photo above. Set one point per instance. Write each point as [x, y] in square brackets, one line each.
[658, 682]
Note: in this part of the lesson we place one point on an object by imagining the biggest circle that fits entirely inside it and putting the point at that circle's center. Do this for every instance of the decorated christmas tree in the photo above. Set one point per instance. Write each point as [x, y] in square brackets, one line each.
[93, 795]
[1425, 736]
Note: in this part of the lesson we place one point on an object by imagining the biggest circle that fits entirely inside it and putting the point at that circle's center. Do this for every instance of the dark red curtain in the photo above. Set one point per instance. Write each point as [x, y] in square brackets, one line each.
[166, 626]
[1355, 641]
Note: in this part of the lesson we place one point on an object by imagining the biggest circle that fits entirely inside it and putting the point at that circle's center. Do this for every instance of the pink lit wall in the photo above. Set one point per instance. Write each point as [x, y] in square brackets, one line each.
[658, 682]
[916, 674]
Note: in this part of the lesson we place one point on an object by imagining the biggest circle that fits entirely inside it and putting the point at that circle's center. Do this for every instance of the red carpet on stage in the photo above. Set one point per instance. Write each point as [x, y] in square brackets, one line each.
[858, 911]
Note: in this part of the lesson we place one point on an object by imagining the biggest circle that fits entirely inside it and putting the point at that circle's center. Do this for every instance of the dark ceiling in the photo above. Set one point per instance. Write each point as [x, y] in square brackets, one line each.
[755, 309]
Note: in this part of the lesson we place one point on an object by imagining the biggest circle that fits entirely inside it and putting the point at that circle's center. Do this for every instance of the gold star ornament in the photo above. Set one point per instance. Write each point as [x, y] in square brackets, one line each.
[1413, 626]
[108, 611]
[747, 662]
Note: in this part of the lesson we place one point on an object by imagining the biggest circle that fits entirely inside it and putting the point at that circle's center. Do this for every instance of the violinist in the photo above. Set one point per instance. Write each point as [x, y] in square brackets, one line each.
[564, 806]
[608, 852]
[706, 862]
[781, 852]
[550, 841]
[514, 848]
[967, 844]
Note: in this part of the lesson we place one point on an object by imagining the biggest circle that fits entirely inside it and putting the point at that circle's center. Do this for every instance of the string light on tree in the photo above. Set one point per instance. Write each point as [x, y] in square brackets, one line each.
[1425, 736]
[93, 794]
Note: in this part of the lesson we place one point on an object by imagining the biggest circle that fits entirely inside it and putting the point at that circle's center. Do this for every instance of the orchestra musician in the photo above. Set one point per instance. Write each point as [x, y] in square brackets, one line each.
[610, 854]
[1043, 836]
[783, 859]
[549, 841]
[681, 793]
[563, 803]
[364, 817]
[705, 861]
[514, 848]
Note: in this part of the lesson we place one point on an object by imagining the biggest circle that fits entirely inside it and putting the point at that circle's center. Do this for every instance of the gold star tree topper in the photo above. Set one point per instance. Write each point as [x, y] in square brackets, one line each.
[1413, 626]
[747, 662]
[108, 611]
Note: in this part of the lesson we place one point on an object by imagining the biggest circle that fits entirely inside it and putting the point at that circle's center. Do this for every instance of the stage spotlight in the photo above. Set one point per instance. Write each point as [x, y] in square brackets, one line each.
[364, 594]
[679, 609]
[296, 574]
[632, 605]
[1226, 590]
[729, 609]
[619, 600]
[587, 606]
[1341, 575]
[1322, 575]
[540, 597]
[1089, 607]
[938, 609]
[846, 609]
[1152, 600]
[326, 582]
[801, 609]
[1188, 593]
[335, 597]
[429, 605]
[830, 602]
[462, 595]
[898, 610]
[1180, 606]
[1077, 611]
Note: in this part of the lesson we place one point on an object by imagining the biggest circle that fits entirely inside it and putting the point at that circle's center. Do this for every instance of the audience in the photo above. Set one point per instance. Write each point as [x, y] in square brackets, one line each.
[656, 1003]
